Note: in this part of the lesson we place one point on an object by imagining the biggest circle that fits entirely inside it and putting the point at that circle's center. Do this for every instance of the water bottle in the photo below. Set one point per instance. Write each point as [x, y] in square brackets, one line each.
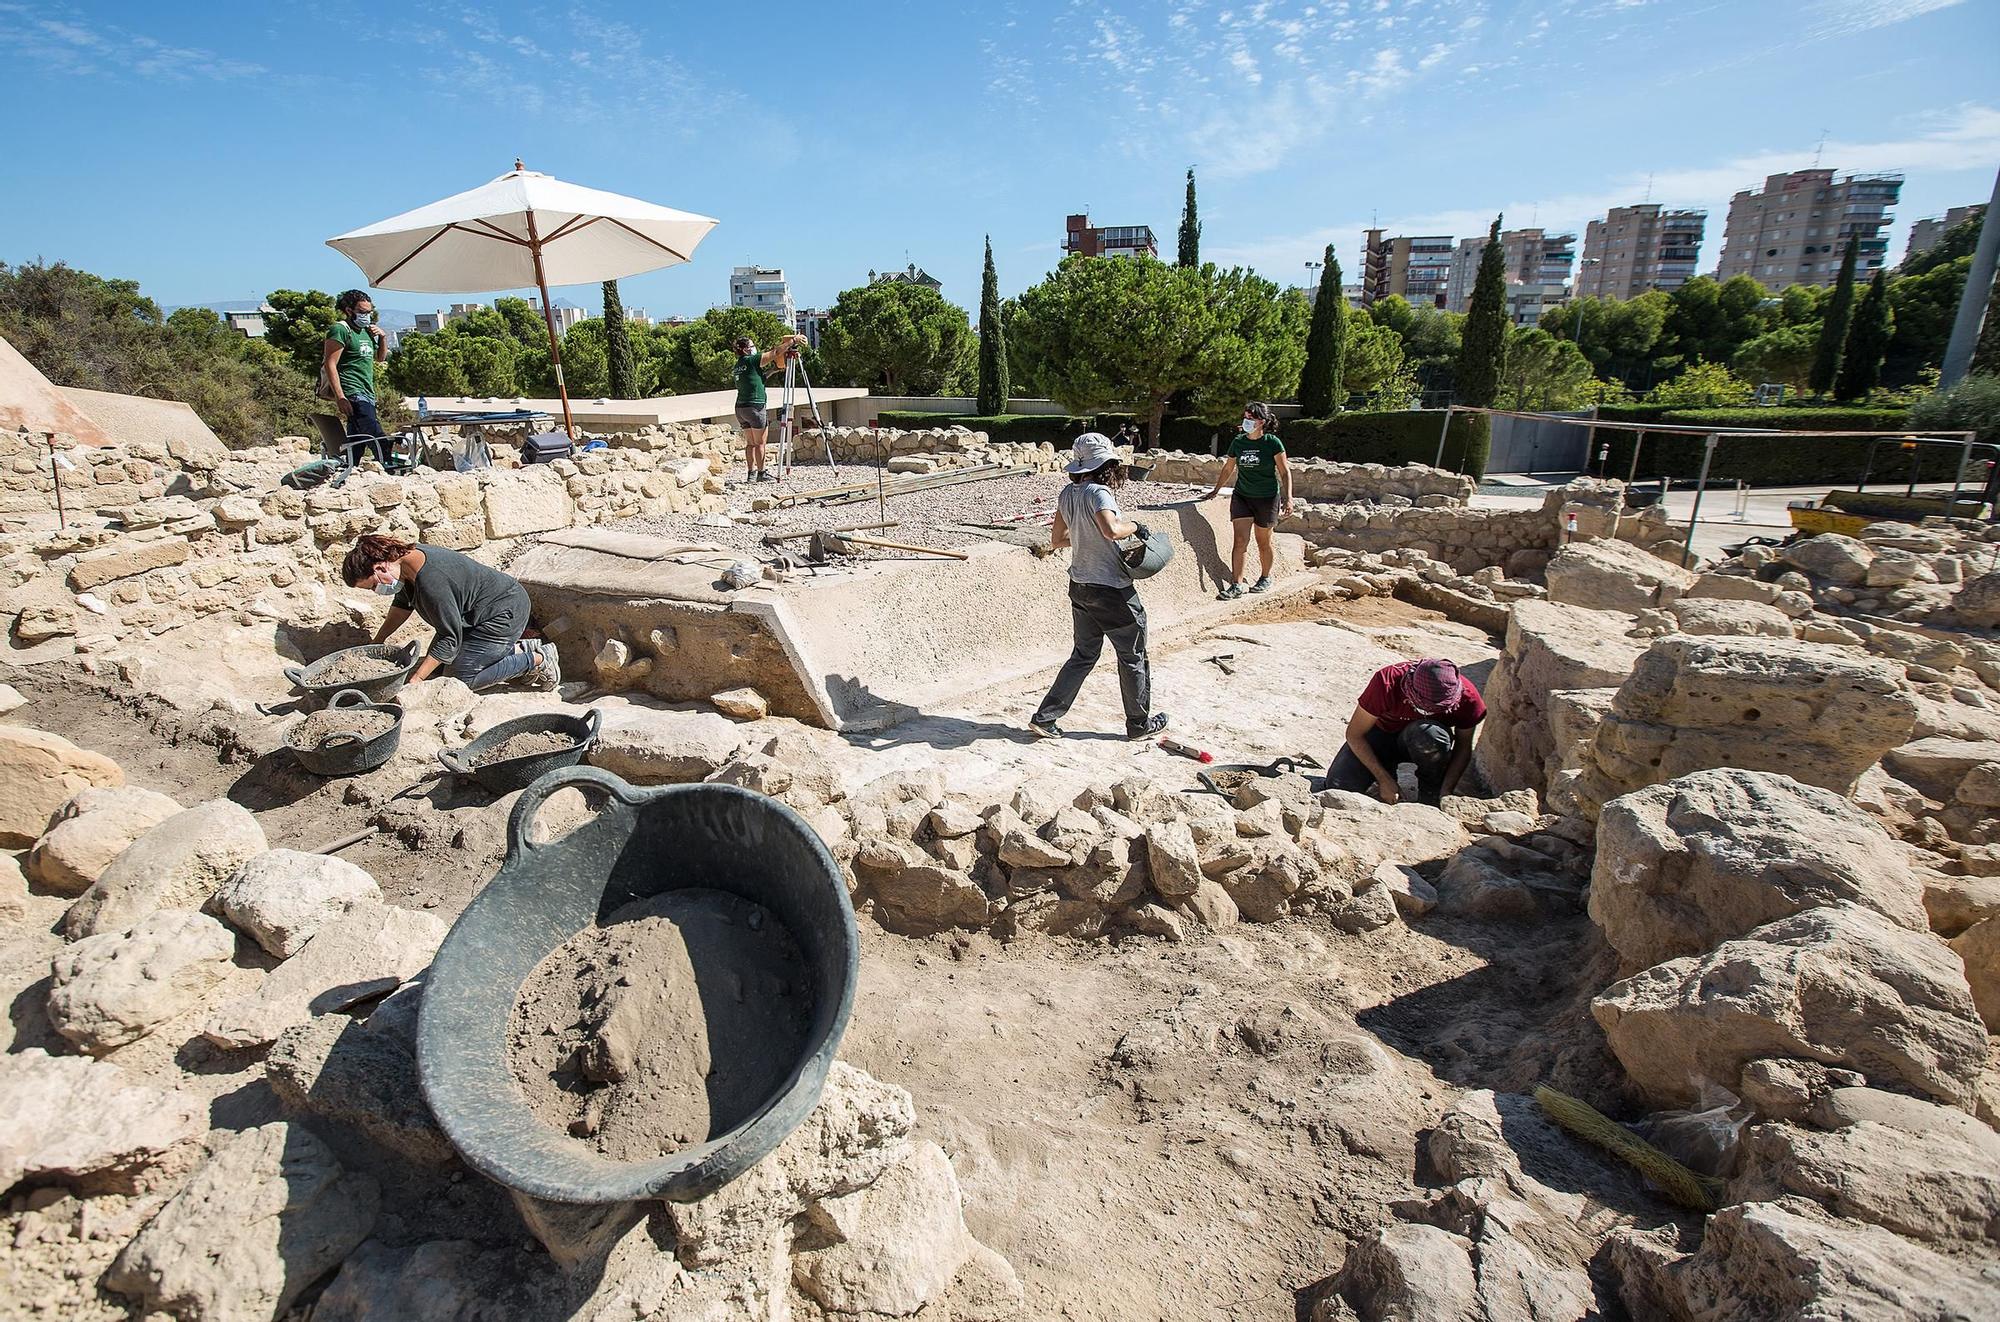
[423, 408]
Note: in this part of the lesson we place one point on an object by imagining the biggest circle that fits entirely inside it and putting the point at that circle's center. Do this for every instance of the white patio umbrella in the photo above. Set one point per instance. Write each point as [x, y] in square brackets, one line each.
[524, 228]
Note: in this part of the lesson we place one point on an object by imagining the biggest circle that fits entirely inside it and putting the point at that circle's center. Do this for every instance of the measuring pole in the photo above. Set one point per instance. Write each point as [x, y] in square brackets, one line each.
[1701, 485]
[1443, 432]
[1972, 301]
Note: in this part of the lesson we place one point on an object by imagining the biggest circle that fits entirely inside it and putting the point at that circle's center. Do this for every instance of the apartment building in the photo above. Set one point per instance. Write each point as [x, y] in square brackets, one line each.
[1794, 230]
[1080, 236]
[1633, 249]
[565, 315]
[763, 288]
[909, 275]
[811, 321]
[1417, 267]
[1537, 266]
[1925, 233]
[430, 323]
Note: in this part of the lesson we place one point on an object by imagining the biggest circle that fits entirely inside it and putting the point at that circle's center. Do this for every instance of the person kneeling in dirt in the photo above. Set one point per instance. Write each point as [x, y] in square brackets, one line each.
[479, 613]
[1424, 712]
[1103, 603]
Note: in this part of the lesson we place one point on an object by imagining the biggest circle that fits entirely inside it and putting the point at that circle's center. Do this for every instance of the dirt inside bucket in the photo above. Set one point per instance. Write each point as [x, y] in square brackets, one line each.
[666, 1025]
[1228, 782]
[347, 720]
[529, 743]
[352, 668]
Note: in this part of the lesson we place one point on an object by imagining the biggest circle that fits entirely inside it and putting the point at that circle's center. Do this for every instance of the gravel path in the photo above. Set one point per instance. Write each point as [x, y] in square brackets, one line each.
[923, 515]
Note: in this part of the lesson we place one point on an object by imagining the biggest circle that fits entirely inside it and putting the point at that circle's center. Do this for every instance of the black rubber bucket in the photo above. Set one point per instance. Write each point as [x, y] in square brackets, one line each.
[375, 690]
[514, 773]
[350, 754]
[1299, 762]
[641, 843]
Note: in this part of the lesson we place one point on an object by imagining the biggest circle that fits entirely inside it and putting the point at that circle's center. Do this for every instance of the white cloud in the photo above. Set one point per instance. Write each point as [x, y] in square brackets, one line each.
[72, 43]
[1845, 18]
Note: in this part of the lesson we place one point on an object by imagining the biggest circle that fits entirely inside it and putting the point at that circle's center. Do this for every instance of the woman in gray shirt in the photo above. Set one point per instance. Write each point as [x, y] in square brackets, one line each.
[478, 612]
[1103, 603]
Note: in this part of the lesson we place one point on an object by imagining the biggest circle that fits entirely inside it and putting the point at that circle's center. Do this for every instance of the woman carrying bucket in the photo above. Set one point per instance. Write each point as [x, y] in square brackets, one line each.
[479, 614]
[1103, 603]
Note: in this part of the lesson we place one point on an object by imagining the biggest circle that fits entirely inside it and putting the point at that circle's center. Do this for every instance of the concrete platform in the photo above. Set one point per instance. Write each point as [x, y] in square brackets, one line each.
[865, 646]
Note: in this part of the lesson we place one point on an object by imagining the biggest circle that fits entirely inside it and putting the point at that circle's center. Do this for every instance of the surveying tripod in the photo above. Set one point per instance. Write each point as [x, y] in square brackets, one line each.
[795, 372]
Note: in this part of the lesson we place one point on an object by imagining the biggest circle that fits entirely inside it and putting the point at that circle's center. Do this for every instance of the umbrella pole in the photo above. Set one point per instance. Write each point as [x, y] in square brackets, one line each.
[549, 320]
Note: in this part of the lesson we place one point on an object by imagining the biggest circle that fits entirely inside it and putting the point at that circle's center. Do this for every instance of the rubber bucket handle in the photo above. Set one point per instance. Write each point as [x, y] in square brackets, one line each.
[620, 797]
[338, 701]
[593, 721]
[407, 654]
[338, 739]
[449, 760]
[297, 675]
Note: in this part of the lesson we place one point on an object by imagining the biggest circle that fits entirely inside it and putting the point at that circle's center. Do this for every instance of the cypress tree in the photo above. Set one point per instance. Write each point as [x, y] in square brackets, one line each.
[618, 346]
[1482, 348]
[1867, 343]
[1320, 390]
[992, 344]
[1190, 254]
[1833, 331]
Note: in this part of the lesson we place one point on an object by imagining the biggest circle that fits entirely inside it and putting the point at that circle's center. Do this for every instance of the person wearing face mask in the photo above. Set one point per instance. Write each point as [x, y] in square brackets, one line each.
[751, 414]
[1262, 494]
[479, 614]
[348, 357]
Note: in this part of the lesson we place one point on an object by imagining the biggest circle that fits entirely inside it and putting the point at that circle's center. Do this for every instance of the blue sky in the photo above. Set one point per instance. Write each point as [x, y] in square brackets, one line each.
[209, 150]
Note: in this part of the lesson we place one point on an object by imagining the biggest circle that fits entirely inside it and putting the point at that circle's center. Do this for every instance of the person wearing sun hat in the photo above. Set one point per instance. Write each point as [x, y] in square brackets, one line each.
[1424, 712]
[1103, 603]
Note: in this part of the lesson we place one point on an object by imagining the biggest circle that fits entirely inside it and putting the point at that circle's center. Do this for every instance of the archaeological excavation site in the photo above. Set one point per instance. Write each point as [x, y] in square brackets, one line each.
[749, 953]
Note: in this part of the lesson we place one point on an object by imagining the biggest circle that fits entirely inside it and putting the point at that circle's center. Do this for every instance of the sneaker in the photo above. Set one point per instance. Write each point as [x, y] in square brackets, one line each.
[1046, 729]
[1230, 593]
[1154, 724]
[1261, 585]
[548, 675]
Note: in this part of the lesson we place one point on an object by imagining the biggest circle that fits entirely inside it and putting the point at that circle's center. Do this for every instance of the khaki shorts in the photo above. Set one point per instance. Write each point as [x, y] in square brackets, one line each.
[752, 417]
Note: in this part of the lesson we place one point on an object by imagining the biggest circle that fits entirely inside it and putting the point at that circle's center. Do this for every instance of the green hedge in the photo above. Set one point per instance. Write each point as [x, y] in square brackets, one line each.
[1780, 461]
[1400, 437]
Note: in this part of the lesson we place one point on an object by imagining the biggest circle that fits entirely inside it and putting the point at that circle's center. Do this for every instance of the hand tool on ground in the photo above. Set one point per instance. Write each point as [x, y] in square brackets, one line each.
[1186, 750]
[833, 543]
[772, 539]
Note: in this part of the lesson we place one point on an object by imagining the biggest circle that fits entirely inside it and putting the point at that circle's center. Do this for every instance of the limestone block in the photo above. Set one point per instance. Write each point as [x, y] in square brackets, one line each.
[1840, 984]
[1980, 786]
[526, 501]
[11, 700]
[1938, 1182]
[1210, 906]
[1614, 575]
[743, 704]
[650, 743]
[1977, 603]
[1832, 557]
[1733, 587]
[1684, 866]
[897, 1244]
[282, 898]
[70, 1116]
[1979, 947]
[117, 987]
[90, 831]
[263, 1218]
[1939, 765]
[370, 949]
[1361, 832]
[1717, 618]
[1408, 1271]
[1549, 647]
[39, 773]
[1413, 896]
[13, 890]
[361, 1074]
[125, 557]
[178, 864]
[859, 1129]
[1173, 864]
[926, 897]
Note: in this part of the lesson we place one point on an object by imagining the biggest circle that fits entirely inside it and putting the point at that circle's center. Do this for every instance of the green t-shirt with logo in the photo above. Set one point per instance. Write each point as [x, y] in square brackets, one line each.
[357, 360]
[1256, 465]
[750, 380]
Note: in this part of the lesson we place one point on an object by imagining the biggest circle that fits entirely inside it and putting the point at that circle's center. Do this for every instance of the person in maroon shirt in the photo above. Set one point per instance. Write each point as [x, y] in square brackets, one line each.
[1416, 711]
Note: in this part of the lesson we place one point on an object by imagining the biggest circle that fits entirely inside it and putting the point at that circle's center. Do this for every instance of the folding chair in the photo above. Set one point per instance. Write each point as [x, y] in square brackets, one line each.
[344, 448]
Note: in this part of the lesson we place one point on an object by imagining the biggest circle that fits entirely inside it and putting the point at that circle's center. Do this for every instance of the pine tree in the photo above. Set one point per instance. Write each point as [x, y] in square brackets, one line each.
[992, 343]
[1833, 331]
[1321, 392]
[1867, 343]
[1190, 254]
[624, 370]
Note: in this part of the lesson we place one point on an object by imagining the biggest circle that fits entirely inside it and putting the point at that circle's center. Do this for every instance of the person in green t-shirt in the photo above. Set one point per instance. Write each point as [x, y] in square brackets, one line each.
[347, 362]
[1263, 494]
[751, 415]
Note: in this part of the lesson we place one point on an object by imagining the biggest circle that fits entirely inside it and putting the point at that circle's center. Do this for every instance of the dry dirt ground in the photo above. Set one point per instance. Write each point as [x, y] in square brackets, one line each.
[1146, 1130]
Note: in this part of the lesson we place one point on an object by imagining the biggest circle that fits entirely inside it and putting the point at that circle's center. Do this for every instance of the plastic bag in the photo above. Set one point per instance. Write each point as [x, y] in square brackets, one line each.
[743, 574]
[1704, 1137]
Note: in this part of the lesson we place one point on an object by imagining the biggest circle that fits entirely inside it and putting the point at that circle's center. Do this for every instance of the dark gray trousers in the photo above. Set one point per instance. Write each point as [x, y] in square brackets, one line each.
[1425, 743]
[1095, 614]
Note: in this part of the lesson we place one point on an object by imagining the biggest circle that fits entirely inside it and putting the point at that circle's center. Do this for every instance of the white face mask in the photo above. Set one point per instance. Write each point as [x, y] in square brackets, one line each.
[1251, 426]
[394, 584]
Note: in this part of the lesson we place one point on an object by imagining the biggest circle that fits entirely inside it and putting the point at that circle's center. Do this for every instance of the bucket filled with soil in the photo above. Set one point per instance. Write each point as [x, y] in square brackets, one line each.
[513, 754]
[646, 1006]
[347, 736]
[378, 671]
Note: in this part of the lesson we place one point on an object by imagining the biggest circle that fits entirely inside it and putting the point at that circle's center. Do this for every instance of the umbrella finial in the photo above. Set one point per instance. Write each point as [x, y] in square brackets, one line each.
[518, 165]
